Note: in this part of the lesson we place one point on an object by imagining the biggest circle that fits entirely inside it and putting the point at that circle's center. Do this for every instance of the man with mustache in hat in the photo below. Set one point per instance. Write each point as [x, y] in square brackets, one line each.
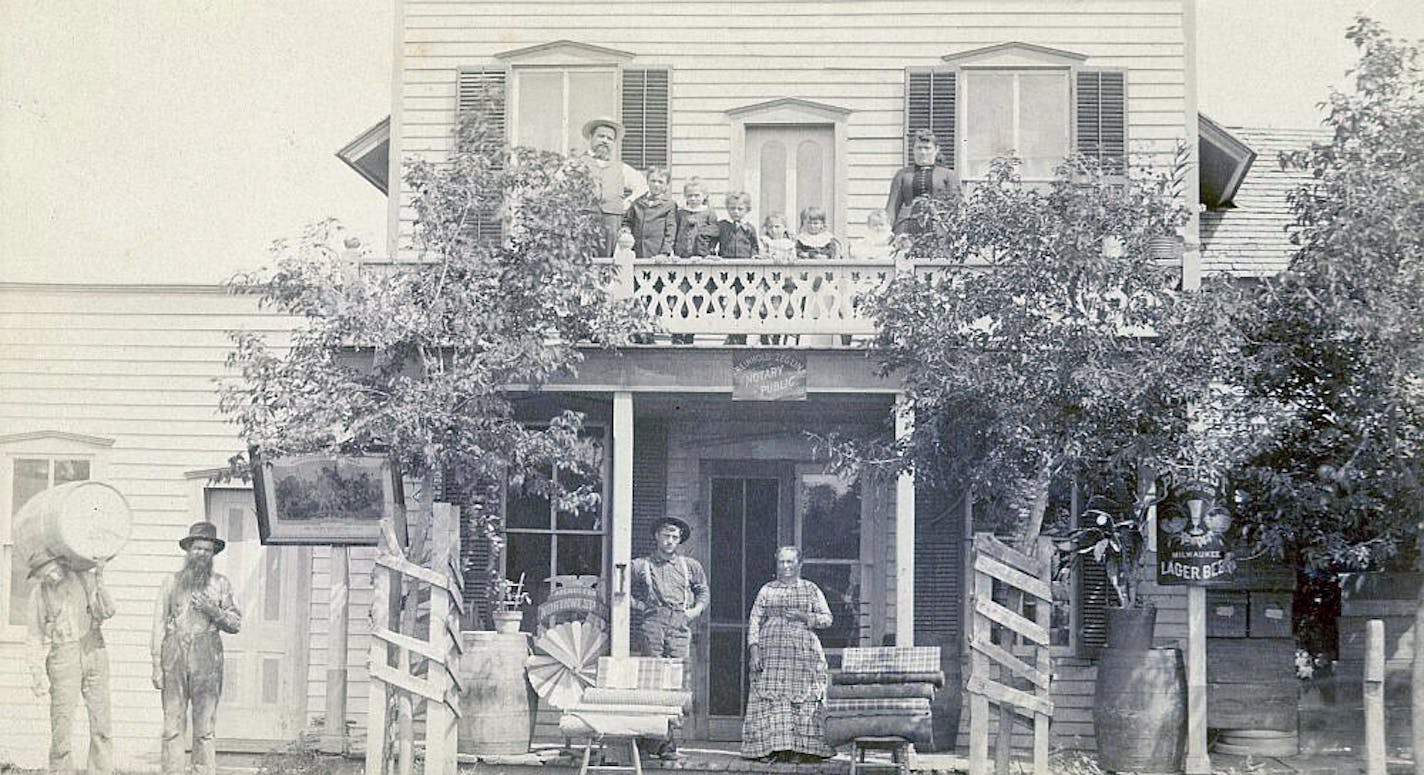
[670, 590]
[194, 606]
[67, 656]
[616, 185]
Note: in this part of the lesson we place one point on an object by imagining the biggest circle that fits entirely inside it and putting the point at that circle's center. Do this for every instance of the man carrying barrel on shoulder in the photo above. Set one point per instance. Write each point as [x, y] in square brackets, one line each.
[67, 657]
[194, 607]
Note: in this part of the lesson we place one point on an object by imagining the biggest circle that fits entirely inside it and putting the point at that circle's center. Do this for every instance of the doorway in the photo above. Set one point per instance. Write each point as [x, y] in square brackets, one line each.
[264, 664]
[790, 168]
[749, 509]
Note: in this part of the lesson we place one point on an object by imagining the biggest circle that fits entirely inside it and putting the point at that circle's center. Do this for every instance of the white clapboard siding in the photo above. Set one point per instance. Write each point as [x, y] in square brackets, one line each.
[725, 55]
[136, 365]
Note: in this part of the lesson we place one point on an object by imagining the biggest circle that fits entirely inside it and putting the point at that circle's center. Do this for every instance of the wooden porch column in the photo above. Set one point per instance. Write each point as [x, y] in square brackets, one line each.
[904, 537]
[622, 520]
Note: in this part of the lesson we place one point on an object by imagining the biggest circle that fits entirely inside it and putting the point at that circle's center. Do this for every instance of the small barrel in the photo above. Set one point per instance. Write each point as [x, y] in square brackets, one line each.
[83, 522]
[497, 704]
[1140, 710]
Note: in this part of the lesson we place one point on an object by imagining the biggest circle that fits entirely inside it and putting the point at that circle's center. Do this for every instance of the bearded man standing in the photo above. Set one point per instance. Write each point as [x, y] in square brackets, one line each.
[194, 606]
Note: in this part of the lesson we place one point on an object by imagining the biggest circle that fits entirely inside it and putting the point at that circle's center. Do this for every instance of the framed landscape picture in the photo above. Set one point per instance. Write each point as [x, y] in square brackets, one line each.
[325, 500]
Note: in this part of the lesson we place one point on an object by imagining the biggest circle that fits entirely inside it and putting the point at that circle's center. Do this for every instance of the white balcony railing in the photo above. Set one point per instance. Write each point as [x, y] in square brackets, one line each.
[716, 296]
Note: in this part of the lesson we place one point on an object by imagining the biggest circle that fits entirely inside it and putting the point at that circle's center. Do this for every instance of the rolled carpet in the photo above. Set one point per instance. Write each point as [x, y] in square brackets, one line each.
[598, 695]
[577, 723]
[915, 727]
[935, 677]
[923, 689]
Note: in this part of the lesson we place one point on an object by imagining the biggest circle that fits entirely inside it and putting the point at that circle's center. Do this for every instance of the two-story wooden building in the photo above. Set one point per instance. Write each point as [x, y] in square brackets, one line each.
[799, 103]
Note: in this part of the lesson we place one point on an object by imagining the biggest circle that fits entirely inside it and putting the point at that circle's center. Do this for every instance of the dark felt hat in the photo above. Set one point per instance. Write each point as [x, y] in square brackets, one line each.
[206, 531]
[681, 525]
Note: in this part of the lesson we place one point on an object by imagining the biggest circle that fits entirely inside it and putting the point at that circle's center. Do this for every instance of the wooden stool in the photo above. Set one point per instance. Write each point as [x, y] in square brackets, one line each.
[636, 767]
[898, 748]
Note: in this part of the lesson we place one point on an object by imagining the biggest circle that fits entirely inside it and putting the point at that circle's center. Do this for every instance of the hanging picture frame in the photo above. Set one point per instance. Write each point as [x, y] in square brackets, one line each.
[325, 500]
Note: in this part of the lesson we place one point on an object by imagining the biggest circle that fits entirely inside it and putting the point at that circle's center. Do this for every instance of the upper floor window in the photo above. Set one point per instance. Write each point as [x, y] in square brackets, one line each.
[1016, 113]
[1034, 103]
[31, 463]
[551, 104]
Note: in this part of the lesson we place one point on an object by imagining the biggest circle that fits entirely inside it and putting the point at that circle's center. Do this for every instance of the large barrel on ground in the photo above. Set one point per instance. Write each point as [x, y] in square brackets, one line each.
[1140, 710]
[1253, 695]
[497, 704]
[82, 522]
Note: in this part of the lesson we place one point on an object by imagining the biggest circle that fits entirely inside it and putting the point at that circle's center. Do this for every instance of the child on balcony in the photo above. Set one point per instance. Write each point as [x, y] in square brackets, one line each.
[776, 238]
[652, 218]
[815, 242]
[696, 222]
[878, 240]
[736, 234]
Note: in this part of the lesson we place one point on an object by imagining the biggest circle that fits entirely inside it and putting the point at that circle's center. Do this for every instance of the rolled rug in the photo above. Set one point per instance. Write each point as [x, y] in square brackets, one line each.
[935, 677]
[604, 722]
[915, 727]
[598, 695]
[923, 689]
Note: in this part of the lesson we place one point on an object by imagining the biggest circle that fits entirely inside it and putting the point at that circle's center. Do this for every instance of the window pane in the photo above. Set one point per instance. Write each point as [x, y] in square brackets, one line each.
[272, 585]
[528, 553]
[841, 586]
[527, 509]
[1043, 122]
[810, 183]
[989, 120]
[830, 517]
[70, 471]
[772, 181]
[580, 555]
[589, 517]
[591, 94]
[539, 112]
[31, 479]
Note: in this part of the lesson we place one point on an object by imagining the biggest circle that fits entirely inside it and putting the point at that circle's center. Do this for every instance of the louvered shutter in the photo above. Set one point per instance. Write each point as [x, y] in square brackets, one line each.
[650, 488]
[475, 557]
[939, 597]
[1094, 594]
[1102, 118]
[645, 118]
[929, 104]
[482, 90]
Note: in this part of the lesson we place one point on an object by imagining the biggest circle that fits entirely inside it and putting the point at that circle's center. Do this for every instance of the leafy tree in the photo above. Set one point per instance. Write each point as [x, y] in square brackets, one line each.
[1055, 343]
[417, 361]
[1339, 340]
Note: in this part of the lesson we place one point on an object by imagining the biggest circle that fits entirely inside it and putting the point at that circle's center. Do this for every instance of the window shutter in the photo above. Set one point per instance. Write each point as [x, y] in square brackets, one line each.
[1094, 593]
[1102, 118]
[475, 558]
[645, 118]
[929, 104]
[483, 90]
[939, 542]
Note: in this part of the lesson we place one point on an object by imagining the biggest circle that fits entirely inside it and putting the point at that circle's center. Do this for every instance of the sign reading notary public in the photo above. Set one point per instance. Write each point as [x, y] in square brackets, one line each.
[1192, 546]
[769, 376]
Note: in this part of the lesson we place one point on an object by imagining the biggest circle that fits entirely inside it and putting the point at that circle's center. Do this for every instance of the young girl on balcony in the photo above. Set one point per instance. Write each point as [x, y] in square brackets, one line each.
[776, 240]
[878, 239]
[696, 222]
[815, 242]
[653, 218]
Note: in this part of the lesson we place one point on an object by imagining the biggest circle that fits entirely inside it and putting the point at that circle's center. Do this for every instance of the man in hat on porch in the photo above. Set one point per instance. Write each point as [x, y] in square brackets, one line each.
[194, 607]
[670, 590]
[67, 657]
[616, 184]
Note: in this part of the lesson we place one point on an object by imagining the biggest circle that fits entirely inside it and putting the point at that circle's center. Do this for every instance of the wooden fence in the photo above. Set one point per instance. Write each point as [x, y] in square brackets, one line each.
[408, 667]
[1009, 643]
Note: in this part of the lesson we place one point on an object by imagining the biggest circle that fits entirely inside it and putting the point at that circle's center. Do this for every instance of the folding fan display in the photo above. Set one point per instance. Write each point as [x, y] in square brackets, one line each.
[565, 661]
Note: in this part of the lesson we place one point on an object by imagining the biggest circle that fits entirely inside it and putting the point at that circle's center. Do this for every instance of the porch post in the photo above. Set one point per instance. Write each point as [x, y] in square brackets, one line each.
[904, 536]
[622, 520]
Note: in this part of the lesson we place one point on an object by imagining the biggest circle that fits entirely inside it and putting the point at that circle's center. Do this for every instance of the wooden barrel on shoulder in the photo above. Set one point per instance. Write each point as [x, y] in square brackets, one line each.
[1140, 710]
[1253, 695]
[497, 704]
[82, 522]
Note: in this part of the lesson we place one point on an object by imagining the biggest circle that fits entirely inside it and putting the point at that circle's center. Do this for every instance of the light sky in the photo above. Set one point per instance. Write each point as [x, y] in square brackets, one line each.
[172, 140]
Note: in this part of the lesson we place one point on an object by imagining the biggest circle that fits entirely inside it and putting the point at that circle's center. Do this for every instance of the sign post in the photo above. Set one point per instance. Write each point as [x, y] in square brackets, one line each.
[1191, 550]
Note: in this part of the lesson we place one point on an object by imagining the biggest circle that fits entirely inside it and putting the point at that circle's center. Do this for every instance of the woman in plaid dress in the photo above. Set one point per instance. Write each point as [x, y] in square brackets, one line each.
[785, 718]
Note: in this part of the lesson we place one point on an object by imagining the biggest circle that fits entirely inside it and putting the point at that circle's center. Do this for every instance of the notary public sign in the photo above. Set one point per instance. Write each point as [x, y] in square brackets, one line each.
[769, 376]
[1192, 547]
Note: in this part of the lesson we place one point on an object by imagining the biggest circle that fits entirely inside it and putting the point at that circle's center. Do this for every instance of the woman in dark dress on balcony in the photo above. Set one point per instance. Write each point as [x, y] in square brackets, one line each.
[785, 718]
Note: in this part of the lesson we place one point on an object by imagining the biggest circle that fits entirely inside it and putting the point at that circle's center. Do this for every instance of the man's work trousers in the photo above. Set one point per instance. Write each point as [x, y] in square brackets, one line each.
[192, 683]
[79, 668]
[665, 633]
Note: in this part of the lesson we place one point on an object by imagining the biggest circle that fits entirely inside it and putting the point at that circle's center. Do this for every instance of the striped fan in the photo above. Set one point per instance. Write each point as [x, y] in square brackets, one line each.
[565, 660]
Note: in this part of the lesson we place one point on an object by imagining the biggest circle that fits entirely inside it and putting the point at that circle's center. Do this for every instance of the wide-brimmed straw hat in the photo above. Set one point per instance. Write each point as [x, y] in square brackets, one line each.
[595, 123]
